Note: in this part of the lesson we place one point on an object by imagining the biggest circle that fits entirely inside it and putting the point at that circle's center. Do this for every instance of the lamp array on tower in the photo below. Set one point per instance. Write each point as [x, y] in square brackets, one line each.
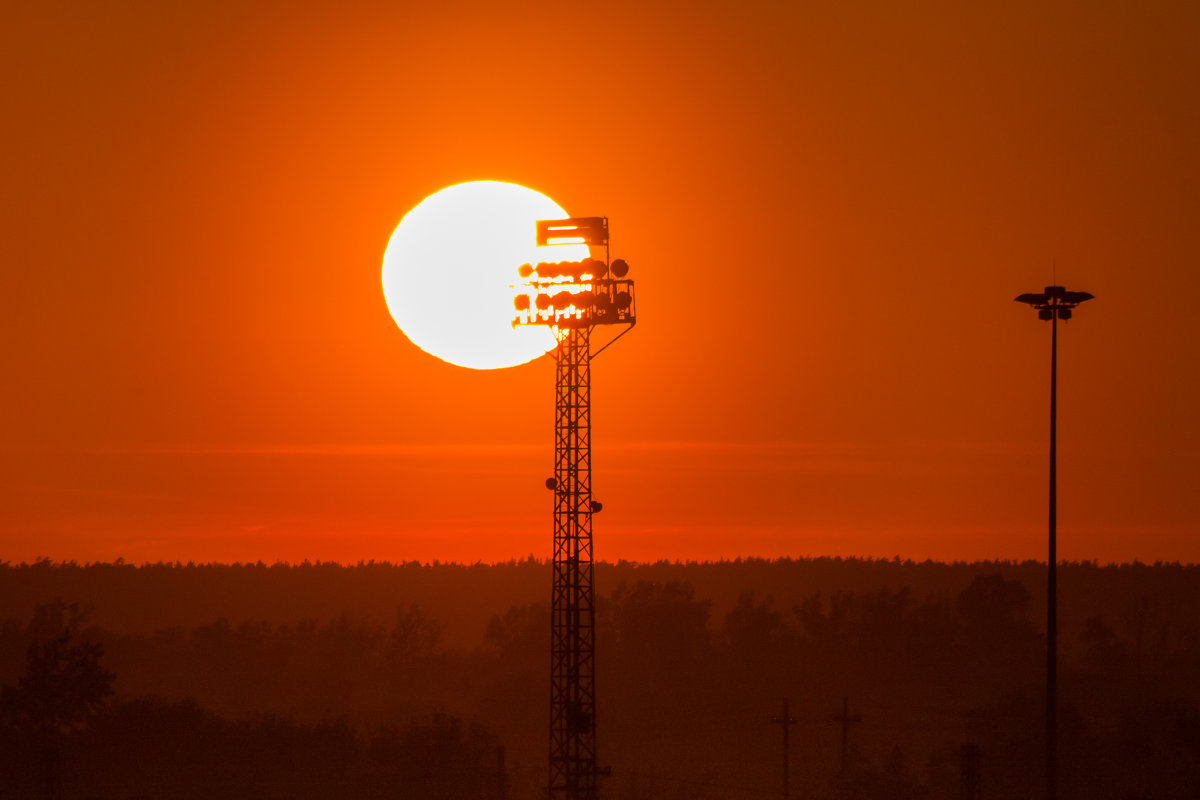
[1056, 301]
[574, 294]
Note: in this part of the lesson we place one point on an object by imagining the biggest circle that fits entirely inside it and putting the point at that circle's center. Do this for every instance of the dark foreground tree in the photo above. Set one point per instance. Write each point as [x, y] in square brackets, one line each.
[62, 689]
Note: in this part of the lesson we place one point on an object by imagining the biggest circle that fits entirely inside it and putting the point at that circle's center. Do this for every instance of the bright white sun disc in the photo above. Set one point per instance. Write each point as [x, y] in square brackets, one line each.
[450, 266]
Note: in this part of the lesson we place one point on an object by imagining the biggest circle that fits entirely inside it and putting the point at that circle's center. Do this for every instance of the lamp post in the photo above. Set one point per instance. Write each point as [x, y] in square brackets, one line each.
[1053, 304]
[573, 298]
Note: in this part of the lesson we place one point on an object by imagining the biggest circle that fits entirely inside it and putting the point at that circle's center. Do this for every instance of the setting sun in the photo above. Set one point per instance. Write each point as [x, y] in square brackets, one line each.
[449, 269]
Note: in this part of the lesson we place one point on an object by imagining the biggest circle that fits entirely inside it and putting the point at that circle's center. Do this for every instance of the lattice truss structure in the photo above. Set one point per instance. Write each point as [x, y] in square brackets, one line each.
[573, 630]
[573, 298]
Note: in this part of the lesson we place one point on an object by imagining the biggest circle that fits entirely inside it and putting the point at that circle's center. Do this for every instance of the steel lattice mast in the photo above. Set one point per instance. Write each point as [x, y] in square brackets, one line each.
[573, 629]
[573, 298]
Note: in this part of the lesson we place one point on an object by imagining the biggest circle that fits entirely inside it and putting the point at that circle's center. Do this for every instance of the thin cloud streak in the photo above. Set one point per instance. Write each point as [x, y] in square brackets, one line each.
[436, 449]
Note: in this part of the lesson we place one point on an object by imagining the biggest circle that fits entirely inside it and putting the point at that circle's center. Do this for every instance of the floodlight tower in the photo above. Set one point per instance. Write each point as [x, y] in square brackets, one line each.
[572, 298]
[1053, 304]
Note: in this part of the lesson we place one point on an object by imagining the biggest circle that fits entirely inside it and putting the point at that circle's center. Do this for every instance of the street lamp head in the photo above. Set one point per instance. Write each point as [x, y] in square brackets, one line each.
[1053, 303]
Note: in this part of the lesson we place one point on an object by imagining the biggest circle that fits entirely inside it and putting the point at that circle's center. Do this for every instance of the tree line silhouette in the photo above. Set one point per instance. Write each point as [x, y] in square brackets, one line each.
[692, 661]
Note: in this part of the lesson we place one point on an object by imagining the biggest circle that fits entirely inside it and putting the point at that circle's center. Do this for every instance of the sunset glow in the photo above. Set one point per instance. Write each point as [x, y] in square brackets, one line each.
[828, 214]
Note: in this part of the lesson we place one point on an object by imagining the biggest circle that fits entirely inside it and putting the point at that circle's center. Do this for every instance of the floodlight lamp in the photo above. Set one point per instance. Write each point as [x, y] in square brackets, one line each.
[1031, 298]
[542, 302]
[1045, 313]
[1064, 312]
[551, 483]
[525, 270]
[562, 299]
[594, 267]
[582, 299]
[521, 302]
[619, 268]
[597, 506]
[624, 300]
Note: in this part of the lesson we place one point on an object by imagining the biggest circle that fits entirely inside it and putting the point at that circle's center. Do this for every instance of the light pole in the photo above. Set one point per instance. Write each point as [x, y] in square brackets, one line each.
[573, 298]
[1053, 304]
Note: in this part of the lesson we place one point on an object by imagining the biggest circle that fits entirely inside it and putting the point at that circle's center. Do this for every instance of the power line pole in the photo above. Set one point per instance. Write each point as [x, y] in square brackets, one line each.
[501, 775]
[846, 719]
[785, 721]
[969, 771]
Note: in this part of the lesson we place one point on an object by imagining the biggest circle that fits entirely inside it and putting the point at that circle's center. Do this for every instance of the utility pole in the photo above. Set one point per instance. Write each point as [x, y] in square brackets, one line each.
[969, 772]
[501, 775]
[846, 719]
[1052, 305]
[784, 721]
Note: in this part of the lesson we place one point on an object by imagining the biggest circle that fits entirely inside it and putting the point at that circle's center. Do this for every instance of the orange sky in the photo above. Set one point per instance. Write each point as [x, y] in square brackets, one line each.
[828, 209]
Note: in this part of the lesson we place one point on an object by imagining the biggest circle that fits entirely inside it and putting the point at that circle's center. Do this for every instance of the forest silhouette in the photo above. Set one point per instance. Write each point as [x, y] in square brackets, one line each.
[430, 681]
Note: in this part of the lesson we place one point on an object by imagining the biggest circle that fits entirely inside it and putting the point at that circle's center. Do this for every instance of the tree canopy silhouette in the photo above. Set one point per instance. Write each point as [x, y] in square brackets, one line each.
[63, 686]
